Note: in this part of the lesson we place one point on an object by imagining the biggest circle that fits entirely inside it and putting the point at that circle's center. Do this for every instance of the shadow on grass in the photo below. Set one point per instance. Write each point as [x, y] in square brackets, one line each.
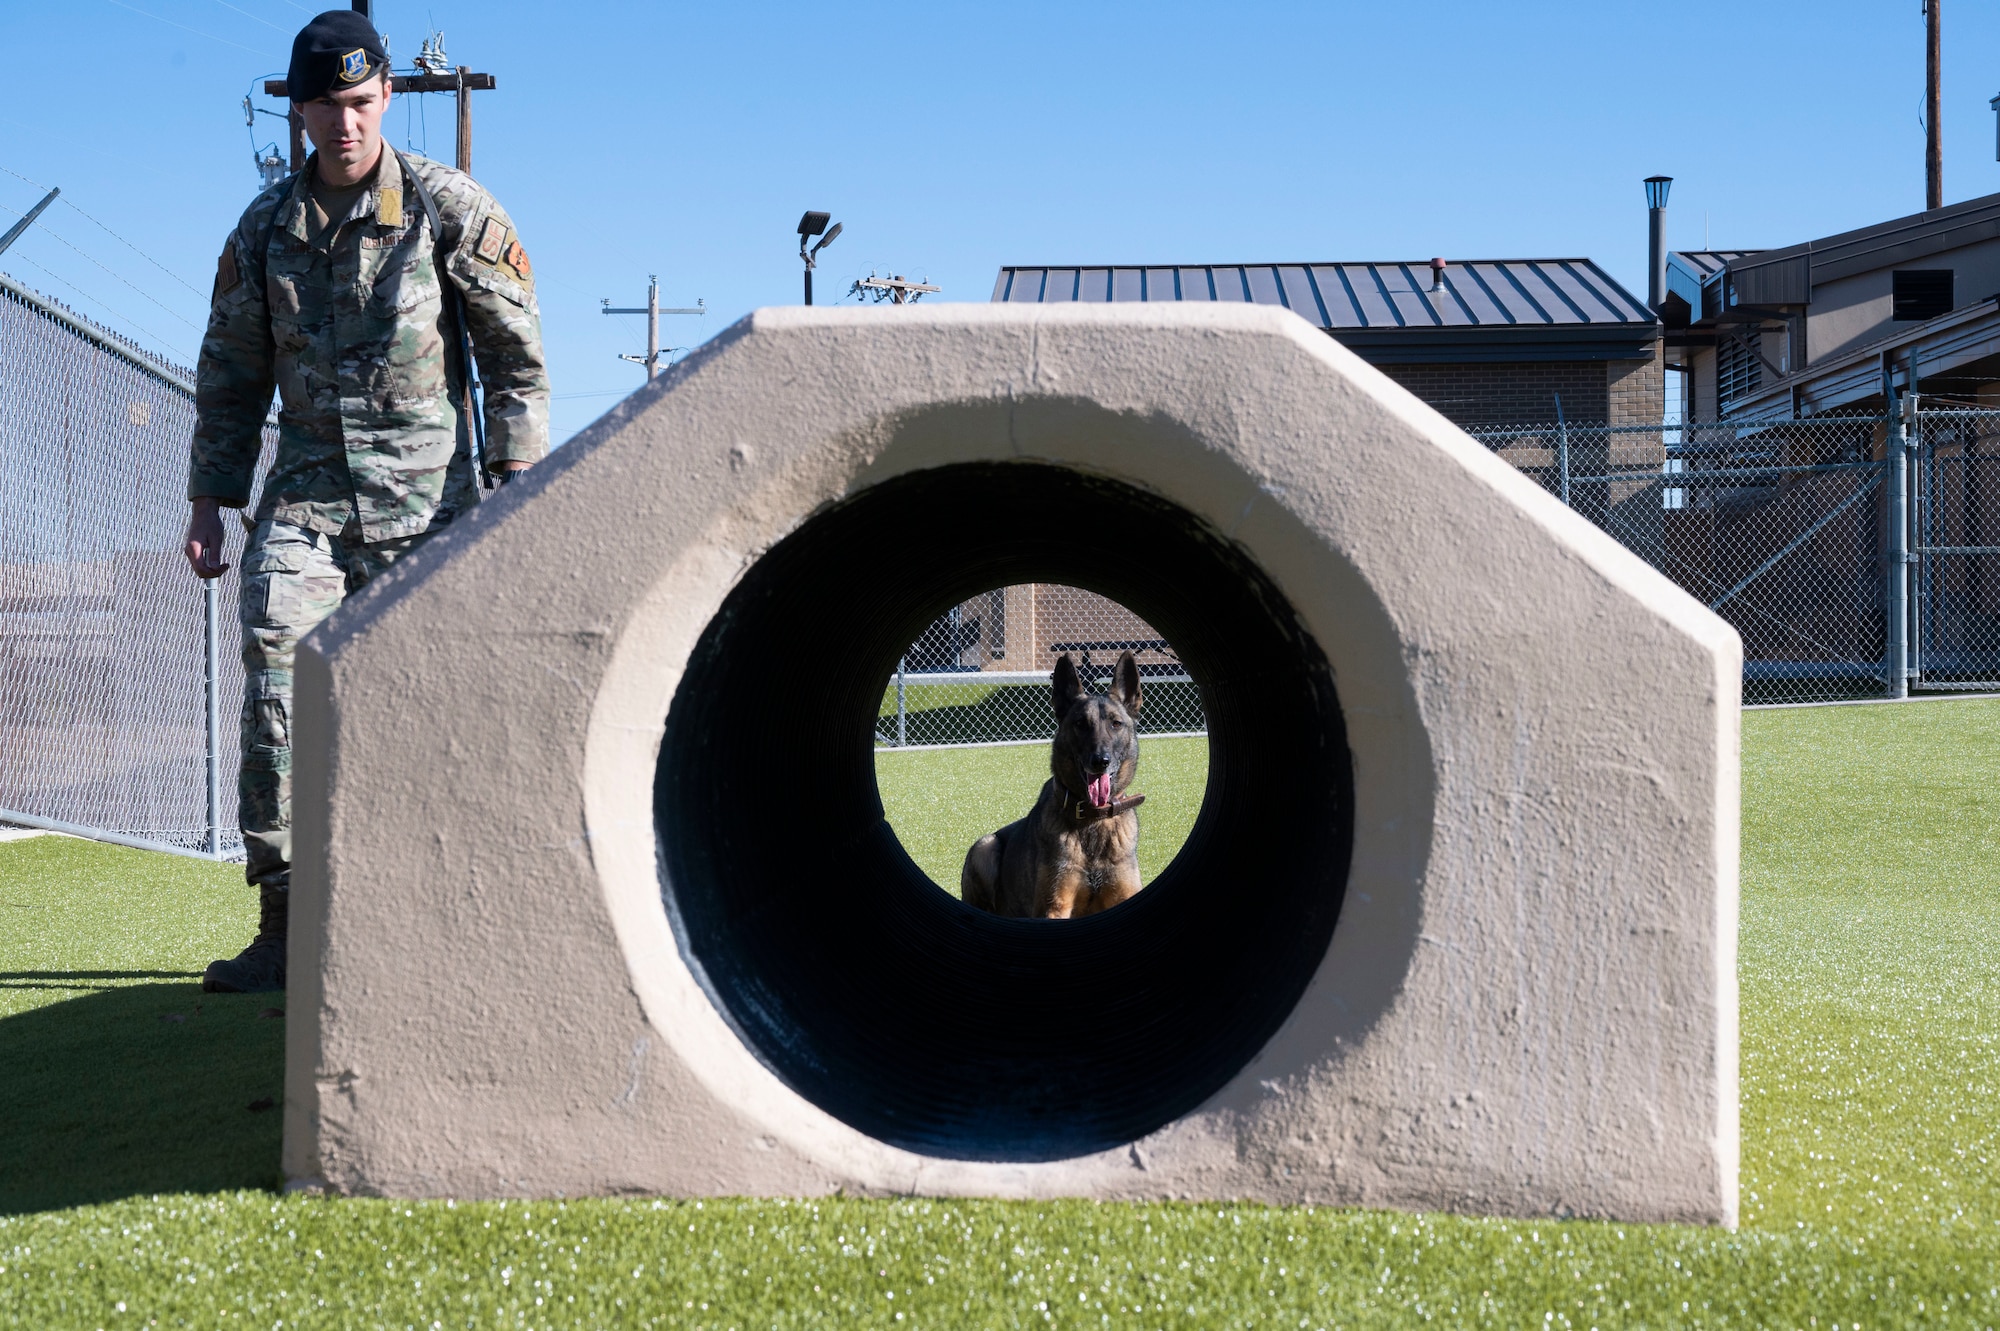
[136, 1088]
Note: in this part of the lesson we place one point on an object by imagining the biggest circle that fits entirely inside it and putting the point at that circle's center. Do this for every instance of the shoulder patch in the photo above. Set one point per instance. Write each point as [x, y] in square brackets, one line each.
[492, 239]
[517, 259]
[227, 279]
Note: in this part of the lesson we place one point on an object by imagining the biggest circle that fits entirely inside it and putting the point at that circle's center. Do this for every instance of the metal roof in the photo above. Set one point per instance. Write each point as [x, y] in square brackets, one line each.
[1885, 244]
[1689, 274]
[1707, 262]
[1387, 311]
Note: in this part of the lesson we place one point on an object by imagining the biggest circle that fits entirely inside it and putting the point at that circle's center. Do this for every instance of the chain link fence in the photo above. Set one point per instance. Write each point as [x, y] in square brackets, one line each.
[1794, 531]
[120, 675]
[1858, 556]
[980, 673]
[1790, 530]
[1955, 550]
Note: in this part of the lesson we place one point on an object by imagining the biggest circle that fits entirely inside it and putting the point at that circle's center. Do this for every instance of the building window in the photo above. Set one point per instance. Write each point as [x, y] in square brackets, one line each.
[996, 623]
[1922, 293]
[1738, 372]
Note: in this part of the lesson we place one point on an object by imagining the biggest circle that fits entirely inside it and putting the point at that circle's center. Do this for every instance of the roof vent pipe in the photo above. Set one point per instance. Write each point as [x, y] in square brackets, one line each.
[1437, 274]
[1656, 241]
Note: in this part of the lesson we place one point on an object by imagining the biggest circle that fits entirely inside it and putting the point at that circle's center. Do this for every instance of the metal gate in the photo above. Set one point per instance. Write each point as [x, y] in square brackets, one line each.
[1955, 550]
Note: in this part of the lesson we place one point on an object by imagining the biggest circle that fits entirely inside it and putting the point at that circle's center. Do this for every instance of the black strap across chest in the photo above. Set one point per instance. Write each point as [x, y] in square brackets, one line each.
[454, 304]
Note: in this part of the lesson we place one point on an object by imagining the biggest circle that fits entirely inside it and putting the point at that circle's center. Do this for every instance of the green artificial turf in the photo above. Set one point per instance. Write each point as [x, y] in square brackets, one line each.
[117, 1074]
[1871, 914]
[940, 801]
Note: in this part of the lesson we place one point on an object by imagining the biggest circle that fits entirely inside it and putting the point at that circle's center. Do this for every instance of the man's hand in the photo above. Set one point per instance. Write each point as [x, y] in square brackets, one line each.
[204, 540]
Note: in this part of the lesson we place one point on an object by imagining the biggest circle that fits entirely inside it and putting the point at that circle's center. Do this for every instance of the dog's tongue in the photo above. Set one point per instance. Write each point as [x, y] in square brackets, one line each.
[1100, 790]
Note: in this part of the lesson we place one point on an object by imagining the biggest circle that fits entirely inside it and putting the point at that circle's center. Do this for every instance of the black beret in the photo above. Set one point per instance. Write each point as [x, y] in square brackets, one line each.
[339, 49]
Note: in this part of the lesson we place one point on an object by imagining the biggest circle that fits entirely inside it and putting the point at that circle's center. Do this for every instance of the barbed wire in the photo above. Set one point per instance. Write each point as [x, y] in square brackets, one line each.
[106, 305]
[95, 221]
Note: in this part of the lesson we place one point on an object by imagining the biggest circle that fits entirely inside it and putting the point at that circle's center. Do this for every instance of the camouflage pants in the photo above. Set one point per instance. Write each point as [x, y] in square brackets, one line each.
[293, 578]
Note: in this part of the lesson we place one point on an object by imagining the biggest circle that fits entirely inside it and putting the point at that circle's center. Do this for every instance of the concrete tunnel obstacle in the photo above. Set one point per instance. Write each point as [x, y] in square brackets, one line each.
[594, 893]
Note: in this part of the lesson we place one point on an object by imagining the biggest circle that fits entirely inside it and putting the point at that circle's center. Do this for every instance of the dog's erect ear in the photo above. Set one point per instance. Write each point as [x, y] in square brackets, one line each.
[1066, 686]
[1125, 684]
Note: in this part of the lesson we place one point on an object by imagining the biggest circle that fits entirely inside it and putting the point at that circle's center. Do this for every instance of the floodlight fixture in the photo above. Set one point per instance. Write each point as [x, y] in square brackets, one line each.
[810, 225]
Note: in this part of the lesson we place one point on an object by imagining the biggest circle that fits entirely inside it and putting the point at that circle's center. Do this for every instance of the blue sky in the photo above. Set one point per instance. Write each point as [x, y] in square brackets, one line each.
[685, 139]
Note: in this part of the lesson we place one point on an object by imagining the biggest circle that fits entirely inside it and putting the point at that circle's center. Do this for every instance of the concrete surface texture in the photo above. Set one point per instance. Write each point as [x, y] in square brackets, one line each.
[1528, 1005]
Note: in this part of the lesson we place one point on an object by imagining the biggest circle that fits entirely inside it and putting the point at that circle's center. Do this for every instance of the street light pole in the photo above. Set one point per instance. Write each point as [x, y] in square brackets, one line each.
[812, 224]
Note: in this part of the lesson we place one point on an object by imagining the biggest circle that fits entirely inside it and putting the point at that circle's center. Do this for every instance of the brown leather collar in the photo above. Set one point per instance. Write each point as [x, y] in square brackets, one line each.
[1083, 811]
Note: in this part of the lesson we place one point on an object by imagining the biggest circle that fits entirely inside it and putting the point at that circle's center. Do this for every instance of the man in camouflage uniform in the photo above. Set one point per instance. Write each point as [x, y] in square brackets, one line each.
[329, 291]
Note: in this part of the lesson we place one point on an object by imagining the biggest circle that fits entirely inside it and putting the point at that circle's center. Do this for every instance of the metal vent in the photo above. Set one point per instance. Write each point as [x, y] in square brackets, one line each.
[1738, 372]
[1921, 293]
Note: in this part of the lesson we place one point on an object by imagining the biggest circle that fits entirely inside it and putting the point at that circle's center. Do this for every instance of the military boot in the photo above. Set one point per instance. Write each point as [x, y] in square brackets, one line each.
[260, 967]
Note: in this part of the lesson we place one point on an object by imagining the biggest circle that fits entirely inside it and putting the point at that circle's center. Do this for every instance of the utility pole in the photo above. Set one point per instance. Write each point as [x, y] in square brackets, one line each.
[897, 290]
[1933, 106]
[461, 81]
[652, 311]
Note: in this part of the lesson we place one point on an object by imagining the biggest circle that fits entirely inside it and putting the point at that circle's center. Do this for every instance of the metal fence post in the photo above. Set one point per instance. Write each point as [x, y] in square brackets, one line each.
[902, 731]
[1562, 449]
[1897, 602]
[212, 660]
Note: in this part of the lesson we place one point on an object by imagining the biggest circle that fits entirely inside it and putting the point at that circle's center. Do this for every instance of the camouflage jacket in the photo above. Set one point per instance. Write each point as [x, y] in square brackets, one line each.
[358, 342]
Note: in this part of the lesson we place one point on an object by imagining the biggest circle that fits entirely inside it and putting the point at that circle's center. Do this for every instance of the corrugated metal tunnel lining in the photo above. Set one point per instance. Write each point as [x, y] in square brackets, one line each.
[916, 1019]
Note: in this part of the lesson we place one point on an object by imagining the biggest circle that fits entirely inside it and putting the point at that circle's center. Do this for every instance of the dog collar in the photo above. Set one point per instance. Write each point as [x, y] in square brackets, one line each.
[1083, 811]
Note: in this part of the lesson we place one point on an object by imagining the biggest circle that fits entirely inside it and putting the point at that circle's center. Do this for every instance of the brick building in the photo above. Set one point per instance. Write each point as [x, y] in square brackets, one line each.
[1490, 342]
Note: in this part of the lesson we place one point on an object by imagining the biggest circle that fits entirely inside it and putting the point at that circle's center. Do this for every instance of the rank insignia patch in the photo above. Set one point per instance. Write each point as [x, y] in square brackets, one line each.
[517, 259]
[353, 66]
[492, 239]
[389, 206]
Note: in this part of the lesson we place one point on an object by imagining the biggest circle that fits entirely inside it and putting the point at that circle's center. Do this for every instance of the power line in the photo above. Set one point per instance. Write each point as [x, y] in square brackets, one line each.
[185, 28]
[247, 14]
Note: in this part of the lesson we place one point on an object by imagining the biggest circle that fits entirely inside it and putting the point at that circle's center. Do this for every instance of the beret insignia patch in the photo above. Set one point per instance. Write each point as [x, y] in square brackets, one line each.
[353, 66]
[492, 239]
[517, 259]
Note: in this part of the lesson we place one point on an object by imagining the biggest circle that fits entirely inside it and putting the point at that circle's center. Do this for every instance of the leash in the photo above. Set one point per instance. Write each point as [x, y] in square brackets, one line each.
[454, 303]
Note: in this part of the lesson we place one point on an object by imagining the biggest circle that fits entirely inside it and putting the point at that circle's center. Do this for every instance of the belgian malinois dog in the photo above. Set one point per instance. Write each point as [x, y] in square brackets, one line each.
[1077, 851]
